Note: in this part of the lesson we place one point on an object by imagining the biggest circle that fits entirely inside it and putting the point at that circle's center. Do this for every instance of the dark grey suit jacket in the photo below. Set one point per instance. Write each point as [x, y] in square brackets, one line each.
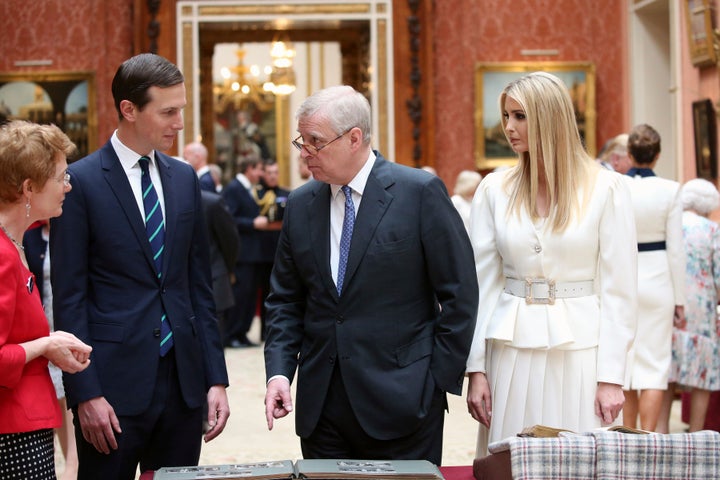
[405, 321]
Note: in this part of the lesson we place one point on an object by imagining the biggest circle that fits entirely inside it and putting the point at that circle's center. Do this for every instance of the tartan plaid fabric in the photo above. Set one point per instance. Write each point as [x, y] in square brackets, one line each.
[685, 456]
[570, 457]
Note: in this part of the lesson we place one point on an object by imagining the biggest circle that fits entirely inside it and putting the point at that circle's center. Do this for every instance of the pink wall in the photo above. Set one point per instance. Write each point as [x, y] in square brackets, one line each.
[471, 31]
[77, 35]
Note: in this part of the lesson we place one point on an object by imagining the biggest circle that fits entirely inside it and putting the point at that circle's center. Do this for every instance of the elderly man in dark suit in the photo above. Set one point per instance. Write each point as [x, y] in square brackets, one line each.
[373, 295]
[131, 277]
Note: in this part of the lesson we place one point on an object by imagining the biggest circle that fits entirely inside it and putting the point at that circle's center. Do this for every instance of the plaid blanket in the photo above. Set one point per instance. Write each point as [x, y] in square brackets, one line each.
[613, 456]
[571, 457]
[686, 456]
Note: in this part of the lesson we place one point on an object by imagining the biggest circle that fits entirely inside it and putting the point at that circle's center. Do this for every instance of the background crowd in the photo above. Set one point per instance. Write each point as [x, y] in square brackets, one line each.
[572, 292]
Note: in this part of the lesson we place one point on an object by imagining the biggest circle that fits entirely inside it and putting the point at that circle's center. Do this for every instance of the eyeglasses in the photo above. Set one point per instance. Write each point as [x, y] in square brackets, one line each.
[312, 149]
[65, 179]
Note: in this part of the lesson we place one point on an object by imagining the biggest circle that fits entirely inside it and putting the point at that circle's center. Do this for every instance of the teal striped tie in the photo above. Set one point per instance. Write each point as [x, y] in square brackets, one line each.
[155, 229]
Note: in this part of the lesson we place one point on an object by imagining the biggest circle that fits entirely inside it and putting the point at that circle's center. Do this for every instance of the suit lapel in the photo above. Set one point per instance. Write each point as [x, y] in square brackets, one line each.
[170, 200]
[375, 202]
[318, 220]
[120, 186]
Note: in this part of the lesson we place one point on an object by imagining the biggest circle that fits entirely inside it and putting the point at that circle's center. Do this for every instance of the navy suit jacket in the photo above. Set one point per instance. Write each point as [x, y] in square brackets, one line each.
[207, 183]
[224, 241]
[244, 209]
[405, 321]
[106, 290]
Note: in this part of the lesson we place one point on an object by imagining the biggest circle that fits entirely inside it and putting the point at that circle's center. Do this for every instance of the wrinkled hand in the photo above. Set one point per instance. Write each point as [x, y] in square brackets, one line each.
[218, 411]
[67, 352]
[99, 424]
[609, 400]
[479, 399]
[278, 400]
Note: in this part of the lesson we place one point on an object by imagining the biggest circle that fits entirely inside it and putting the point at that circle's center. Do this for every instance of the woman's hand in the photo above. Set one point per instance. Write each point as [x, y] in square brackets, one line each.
[67, 352]
[609, 400]
[479, 400]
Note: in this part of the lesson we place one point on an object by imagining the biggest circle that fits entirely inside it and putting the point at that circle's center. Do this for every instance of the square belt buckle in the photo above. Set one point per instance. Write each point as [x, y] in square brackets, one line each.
[530, 300]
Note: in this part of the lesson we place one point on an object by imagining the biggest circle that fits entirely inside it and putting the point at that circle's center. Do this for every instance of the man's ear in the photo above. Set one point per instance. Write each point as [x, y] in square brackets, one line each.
[128, 110]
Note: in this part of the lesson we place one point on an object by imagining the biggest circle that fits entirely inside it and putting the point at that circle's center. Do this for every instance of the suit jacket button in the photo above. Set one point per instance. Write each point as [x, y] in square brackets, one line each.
[156, 332]
[340, 319]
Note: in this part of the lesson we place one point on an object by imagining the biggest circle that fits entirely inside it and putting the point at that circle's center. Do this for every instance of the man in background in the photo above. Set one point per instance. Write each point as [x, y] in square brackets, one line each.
[272, 200]
[250, 224]
[196, 154]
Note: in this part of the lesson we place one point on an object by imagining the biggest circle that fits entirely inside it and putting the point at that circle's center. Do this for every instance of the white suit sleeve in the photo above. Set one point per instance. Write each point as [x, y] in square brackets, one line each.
[618, 283]
[675, 248]
[488, 264]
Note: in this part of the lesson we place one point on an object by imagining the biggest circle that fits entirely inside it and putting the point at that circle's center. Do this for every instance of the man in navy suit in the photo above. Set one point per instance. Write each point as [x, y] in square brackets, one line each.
[117, 289]
[240, 199]
[379, 339]
[196, 154]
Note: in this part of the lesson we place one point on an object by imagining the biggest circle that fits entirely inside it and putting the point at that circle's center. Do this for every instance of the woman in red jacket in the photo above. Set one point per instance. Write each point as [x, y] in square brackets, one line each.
[33, 184]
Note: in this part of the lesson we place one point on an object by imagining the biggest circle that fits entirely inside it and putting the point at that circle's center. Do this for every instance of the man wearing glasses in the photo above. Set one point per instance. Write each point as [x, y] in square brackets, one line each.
[373, 295]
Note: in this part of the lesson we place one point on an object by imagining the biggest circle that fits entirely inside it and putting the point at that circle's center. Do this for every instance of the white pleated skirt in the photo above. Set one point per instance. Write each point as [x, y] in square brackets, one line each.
[555, 388]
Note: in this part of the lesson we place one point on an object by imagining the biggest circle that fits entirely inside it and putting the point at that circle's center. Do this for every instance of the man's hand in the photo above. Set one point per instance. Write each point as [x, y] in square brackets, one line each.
[609, 400]
[218, 411]
[479, 399]
[99, 424]
[278, 400]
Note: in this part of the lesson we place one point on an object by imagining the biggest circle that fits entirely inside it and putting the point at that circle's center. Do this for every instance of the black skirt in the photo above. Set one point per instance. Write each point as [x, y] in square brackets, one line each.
[28, 455]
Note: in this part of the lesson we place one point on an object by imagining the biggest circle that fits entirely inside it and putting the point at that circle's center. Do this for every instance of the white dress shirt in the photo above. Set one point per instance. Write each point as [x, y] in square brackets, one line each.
[129, 162]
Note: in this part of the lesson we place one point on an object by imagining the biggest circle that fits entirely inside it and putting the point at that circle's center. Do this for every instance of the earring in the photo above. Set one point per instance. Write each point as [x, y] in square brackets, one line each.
[27, 208]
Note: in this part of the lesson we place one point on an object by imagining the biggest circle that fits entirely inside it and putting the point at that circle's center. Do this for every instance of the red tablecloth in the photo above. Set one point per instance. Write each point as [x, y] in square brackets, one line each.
[712, 419]
[450, 473]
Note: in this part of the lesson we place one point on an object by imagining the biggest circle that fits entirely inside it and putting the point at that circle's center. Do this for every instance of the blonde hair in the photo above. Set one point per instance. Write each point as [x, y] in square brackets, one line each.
[555, 151]
[29, 151]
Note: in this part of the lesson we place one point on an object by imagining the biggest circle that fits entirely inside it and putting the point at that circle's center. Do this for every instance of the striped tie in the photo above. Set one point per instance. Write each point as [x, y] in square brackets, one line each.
[155, 229]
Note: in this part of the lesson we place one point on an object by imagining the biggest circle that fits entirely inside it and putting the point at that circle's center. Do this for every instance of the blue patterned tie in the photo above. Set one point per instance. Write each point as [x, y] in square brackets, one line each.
[155, 229]
[346, 237]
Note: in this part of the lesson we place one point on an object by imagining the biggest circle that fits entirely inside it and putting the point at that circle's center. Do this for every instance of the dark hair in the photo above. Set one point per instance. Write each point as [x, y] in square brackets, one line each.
[644, 144]
[137, 74]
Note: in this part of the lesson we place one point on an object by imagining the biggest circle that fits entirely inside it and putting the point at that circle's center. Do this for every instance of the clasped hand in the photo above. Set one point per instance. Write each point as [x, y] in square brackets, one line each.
[67, 352]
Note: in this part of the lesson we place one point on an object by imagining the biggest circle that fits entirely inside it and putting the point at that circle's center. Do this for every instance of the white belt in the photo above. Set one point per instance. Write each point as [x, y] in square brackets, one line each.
[544, 291]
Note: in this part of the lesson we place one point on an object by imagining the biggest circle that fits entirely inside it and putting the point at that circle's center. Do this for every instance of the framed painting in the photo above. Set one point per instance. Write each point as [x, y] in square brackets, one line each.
[699, 15]
[66, 99]
[491, 147]
[705, 139]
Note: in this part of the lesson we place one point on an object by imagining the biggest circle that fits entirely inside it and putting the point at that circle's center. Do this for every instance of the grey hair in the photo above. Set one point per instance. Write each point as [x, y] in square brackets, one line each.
[342, 106]
[700, 195]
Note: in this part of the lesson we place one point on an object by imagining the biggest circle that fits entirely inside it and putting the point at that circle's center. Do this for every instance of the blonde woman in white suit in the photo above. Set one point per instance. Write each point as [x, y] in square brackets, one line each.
[554, 254]
[657, 206]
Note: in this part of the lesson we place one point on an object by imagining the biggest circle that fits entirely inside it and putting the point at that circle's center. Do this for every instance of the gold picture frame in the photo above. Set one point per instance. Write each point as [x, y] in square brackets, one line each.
[699, 16]
[491, 147]
[66, 99]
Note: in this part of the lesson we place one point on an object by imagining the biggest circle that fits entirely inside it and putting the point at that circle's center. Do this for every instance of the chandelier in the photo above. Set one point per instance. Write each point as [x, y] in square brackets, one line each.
[241, 85]
[282, 74]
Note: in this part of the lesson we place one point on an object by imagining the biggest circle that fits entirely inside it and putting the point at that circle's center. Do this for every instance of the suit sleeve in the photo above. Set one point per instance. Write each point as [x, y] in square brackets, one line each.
[202, 299]
[69, 250]
[285, 308]
[224, 231]
[451, 270]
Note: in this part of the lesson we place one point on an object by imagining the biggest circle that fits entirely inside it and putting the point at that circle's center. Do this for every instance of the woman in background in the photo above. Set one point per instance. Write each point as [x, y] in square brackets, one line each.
[553, 242]
[33, 183]
[465, 186]
[696, 341]
[661, 279]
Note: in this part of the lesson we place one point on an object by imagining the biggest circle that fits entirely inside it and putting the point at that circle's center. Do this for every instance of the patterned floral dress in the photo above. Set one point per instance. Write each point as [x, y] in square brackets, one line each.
[696, 351]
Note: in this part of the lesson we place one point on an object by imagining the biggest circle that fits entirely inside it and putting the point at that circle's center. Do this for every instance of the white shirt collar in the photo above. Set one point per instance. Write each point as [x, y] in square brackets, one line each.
[360, 180]
[128, 158]
[244, 181]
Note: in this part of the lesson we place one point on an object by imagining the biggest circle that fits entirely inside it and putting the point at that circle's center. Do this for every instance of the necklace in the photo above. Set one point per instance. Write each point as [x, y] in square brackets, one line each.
[17, 244]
